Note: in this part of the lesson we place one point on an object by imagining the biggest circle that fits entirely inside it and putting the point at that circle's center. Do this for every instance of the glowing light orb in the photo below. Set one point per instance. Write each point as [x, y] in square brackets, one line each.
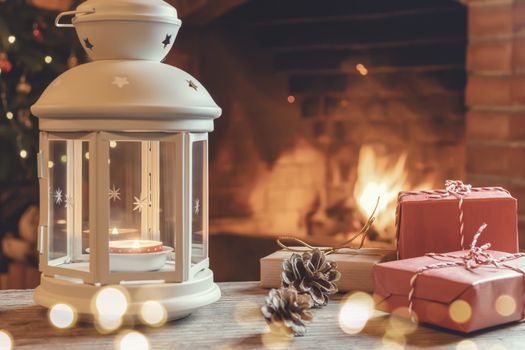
[23, 154]
[6, 340]
[111, 304]
[460, 311]
[62, 316]
[112, 144]
[153, 313]
[401, 321]
[133, 340]
[505, 305]
[355, 312]
[466, 345]
[11, 39]
[9, 115]
[48, 59]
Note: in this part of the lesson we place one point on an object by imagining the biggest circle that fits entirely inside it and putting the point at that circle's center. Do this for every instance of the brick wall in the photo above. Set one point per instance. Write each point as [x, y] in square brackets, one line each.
[495, 96]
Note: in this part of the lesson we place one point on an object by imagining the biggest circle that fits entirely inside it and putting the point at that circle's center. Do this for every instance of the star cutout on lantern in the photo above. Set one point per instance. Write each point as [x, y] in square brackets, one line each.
[120, 81]
[68, 203]
[57, 195]
[191, 84]
[197, 207]
[114, 193]
[139, 203]
[167, 40]
[88, 45]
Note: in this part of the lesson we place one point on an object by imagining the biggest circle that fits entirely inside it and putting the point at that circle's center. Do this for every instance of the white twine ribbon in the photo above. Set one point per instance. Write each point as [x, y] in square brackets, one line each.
[454, 188]
[474, 258]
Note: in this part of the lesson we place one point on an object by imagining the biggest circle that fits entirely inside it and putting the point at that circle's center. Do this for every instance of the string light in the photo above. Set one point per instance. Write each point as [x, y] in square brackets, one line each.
[86, 155]
[48, 59]
[361, 69]
[50, 164]
[9, 115]
[11, 39]
[112, 144]
[23, 154]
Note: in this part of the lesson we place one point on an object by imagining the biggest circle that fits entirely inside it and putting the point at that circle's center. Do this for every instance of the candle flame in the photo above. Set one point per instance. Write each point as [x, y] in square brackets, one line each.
[114, 231]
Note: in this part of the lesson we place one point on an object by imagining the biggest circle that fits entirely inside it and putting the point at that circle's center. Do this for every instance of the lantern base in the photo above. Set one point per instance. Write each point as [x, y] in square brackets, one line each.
[179, 299]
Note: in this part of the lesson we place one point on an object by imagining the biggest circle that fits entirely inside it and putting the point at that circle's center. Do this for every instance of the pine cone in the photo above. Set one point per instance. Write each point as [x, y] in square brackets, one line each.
[285, 307]
[311, 273]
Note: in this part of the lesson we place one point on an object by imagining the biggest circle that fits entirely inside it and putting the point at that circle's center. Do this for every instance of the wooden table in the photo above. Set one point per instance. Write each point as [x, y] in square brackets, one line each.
[235, 322]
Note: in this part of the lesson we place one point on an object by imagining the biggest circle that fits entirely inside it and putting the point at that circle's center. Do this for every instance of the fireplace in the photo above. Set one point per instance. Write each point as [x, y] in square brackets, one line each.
[328, 106]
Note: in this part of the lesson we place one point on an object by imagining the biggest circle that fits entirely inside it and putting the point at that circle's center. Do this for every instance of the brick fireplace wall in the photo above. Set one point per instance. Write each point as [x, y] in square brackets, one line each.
[495, 97]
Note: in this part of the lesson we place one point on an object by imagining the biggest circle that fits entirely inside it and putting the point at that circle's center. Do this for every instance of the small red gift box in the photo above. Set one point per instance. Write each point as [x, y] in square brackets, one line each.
[440, 221]
[449, 294]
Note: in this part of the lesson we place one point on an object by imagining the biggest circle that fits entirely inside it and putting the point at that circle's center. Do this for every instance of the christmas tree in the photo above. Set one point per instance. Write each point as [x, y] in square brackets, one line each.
[33, 52]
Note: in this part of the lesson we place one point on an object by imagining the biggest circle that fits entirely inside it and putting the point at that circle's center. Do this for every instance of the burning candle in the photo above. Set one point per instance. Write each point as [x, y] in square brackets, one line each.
[134, 246]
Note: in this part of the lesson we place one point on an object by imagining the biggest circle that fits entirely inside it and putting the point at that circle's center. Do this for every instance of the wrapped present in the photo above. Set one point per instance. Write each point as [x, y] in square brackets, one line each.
[464, 290]
[355, 266]
[437, 220]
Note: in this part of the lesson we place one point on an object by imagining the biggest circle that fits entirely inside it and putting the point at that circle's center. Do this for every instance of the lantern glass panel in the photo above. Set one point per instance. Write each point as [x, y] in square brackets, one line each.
[68, 205]
[199, 204]
[142, 199]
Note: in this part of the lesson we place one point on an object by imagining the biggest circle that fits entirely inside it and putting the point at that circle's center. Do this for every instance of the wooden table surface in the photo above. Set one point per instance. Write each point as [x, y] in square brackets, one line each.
[235, 323]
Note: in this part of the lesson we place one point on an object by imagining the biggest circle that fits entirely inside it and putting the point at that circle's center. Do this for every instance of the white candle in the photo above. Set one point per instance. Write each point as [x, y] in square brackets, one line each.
[134, 246]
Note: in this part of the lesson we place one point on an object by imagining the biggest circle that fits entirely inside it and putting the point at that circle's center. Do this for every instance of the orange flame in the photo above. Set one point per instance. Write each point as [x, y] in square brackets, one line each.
[379, 176]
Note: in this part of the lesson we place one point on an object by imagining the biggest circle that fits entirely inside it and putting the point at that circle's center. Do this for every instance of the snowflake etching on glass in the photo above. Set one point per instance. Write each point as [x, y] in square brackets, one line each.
[68, 202]
[114, 194]
[57, 196]
[197, 206]
[140, 203]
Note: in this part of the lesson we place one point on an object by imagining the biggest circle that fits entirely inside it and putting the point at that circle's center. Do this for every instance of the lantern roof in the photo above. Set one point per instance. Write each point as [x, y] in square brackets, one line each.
[126, 88]
[126, 95]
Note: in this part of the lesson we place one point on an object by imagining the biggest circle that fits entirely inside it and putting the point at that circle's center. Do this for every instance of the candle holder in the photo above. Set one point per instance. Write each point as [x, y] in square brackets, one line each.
[123, 167]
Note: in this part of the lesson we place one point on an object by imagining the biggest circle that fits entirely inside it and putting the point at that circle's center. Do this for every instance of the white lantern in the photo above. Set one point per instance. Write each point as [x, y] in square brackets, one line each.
[123, 167]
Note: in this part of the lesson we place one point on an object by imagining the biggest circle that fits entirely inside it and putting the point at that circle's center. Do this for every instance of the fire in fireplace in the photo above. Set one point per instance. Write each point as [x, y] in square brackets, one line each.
[327, 107]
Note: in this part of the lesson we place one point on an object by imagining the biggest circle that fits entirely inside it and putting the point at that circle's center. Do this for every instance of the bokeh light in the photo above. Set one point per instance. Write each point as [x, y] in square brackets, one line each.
[276, 337]
[355, 312]
[63, 158]
[361, 69]
[402, 321]
[111, 303]
[460, 311]
[48, 59]
[9, 115]
[132, 340]
[247, 313]
[62, 316]
[23, 154]
[466, 345]
[112, 144]
[11, 39]
[505, 305]
[291, 99]
[6, 340]
[153, 313]
[50, 164]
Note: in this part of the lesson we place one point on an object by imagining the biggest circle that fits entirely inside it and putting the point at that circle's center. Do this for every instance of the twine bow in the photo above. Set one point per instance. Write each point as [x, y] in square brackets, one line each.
[336, 249]
[474, 258]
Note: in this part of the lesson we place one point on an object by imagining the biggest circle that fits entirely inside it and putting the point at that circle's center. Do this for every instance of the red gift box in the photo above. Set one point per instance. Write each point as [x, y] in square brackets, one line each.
[453, 296]
[438, 220]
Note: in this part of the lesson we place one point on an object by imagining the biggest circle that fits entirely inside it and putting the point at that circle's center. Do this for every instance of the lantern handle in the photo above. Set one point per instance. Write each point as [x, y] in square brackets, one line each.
[69, 13]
